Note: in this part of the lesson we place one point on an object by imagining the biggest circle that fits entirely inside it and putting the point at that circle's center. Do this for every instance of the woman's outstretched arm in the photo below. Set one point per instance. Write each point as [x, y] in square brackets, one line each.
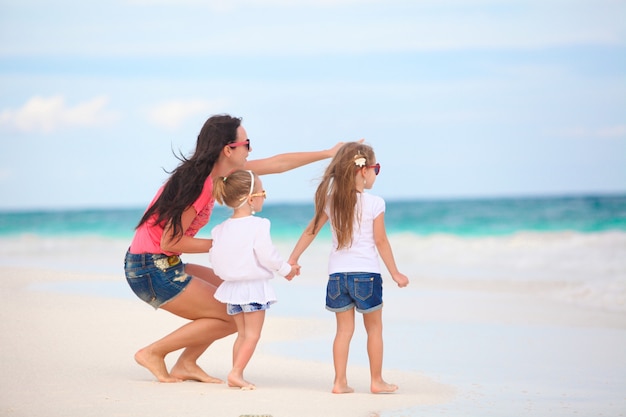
[287, 161]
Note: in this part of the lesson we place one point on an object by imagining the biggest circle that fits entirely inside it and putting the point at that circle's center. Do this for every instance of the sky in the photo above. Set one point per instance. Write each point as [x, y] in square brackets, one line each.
[459, 98]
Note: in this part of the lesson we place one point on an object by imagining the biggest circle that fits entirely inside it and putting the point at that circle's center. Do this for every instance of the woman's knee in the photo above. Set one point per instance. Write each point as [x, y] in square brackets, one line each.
[203, 273]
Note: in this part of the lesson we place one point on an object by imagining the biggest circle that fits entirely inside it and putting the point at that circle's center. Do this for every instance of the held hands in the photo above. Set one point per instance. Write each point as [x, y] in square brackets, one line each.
[295, 270]
[400, 279]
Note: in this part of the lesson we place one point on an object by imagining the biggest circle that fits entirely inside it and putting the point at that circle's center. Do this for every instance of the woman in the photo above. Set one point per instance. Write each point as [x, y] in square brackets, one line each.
[180, 208]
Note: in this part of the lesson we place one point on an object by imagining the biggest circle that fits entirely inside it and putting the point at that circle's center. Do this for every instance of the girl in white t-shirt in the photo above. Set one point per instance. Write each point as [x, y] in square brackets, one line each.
[245, 258]
[358, 234]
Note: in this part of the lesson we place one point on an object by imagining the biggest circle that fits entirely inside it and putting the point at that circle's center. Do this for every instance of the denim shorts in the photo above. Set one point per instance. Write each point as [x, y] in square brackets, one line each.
[233, 309]
[363, 290]
[154, 277]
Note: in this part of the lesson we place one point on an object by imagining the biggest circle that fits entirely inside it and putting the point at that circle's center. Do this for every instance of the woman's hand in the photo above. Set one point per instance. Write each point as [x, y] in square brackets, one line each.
[182, 243]
[332, 151]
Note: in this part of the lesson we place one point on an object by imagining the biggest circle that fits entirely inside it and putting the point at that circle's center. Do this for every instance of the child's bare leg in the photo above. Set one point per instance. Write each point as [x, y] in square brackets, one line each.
[374, 326]
[249, 326]
[240, 323]
[341, 349]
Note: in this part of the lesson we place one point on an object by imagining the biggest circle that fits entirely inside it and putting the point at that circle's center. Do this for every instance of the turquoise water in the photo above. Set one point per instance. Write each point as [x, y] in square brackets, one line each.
[466, 218]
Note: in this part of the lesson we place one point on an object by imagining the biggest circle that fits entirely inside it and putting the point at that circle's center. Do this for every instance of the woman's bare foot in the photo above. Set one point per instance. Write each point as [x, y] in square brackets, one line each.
[383, 388]
[155, 364]
[342, 389]
[237, 381]
[192, 372]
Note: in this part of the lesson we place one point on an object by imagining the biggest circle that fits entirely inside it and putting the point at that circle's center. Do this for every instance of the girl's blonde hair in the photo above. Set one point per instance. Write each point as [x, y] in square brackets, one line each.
[234, 188]
[338, 190]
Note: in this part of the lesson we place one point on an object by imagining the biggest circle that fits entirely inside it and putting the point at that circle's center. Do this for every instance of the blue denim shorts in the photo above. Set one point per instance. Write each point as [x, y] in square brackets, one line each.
[233, 309]
[154, 277]
[363, 290]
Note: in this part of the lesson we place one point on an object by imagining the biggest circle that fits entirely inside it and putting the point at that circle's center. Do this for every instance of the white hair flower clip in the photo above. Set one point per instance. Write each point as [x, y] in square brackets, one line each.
[359, 161]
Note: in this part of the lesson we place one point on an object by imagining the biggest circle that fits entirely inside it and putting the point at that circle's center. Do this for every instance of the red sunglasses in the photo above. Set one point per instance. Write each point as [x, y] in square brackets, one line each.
[245, 143]
[376, 168]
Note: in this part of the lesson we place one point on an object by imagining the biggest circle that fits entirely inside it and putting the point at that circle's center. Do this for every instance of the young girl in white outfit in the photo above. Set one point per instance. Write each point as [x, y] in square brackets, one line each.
[359, 237]
[245, 258]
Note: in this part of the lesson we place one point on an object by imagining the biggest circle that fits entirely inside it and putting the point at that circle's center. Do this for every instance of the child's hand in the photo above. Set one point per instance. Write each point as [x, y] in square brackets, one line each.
[295, 270]
[294, 262]
[400, 279]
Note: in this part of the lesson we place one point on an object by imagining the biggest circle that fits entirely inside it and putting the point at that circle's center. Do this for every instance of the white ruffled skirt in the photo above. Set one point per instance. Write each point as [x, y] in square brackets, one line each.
[246, 292]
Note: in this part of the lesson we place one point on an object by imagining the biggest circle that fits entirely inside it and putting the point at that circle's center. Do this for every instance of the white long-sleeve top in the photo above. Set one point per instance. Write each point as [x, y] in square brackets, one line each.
[244, 256]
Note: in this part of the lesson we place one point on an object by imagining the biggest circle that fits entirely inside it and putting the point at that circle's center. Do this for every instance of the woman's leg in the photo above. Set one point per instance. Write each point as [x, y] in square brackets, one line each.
[249, 326]
[204, 273]
[210, 322]
[374, 327]
[341, 349]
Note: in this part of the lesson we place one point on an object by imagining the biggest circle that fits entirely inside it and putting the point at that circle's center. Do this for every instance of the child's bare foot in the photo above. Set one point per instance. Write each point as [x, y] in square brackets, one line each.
[383, 388]
[155, 364]
[342, 389]
[237, 381]
[192, 372]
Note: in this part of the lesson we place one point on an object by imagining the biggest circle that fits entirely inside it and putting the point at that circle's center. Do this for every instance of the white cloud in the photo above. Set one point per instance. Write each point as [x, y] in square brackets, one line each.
[607, 132]
[172, 114]
[49, 114]
[612, 132]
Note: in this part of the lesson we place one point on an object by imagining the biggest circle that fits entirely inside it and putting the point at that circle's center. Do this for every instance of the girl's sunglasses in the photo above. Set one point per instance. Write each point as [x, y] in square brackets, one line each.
[260, 194]
[245, 143]
[376, 168]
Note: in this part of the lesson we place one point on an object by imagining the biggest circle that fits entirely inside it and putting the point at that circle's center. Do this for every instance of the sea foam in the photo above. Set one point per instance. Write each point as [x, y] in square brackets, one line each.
[588, 269]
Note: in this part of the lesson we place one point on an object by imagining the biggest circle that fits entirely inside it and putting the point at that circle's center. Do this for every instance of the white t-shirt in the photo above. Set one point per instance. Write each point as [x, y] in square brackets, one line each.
[245, 258]
[362, 256]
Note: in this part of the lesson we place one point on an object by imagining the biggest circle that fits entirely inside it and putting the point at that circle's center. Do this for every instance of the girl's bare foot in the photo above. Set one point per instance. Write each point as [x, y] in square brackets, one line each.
[192, 372]
[342, 389]
[237, 381]
[383, 388]
[155, 364]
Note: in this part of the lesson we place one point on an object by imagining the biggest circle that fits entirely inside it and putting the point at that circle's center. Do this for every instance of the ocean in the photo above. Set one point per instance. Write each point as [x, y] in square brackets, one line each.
[571, 247]
[468, 218]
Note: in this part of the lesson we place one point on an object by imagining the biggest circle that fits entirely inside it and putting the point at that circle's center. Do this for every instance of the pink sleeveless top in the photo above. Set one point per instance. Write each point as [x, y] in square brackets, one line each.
[148, 236]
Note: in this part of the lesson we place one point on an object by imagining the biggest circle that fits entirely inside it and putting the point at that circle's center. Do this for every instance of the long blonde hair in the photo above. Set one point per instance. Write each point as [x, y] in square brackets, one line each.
[338, 189]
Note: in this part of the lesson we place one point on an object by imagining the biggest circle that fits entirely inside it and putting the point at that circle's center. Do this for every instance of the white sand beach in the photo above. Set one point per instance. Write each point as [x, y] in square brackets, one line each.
[455, 348]
[72, 355]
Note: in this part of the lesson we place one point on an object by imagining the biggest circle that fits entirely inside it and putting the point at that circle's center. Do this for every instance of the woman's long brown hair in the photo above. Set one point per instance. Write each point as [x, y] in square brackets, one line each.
[187, 180]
